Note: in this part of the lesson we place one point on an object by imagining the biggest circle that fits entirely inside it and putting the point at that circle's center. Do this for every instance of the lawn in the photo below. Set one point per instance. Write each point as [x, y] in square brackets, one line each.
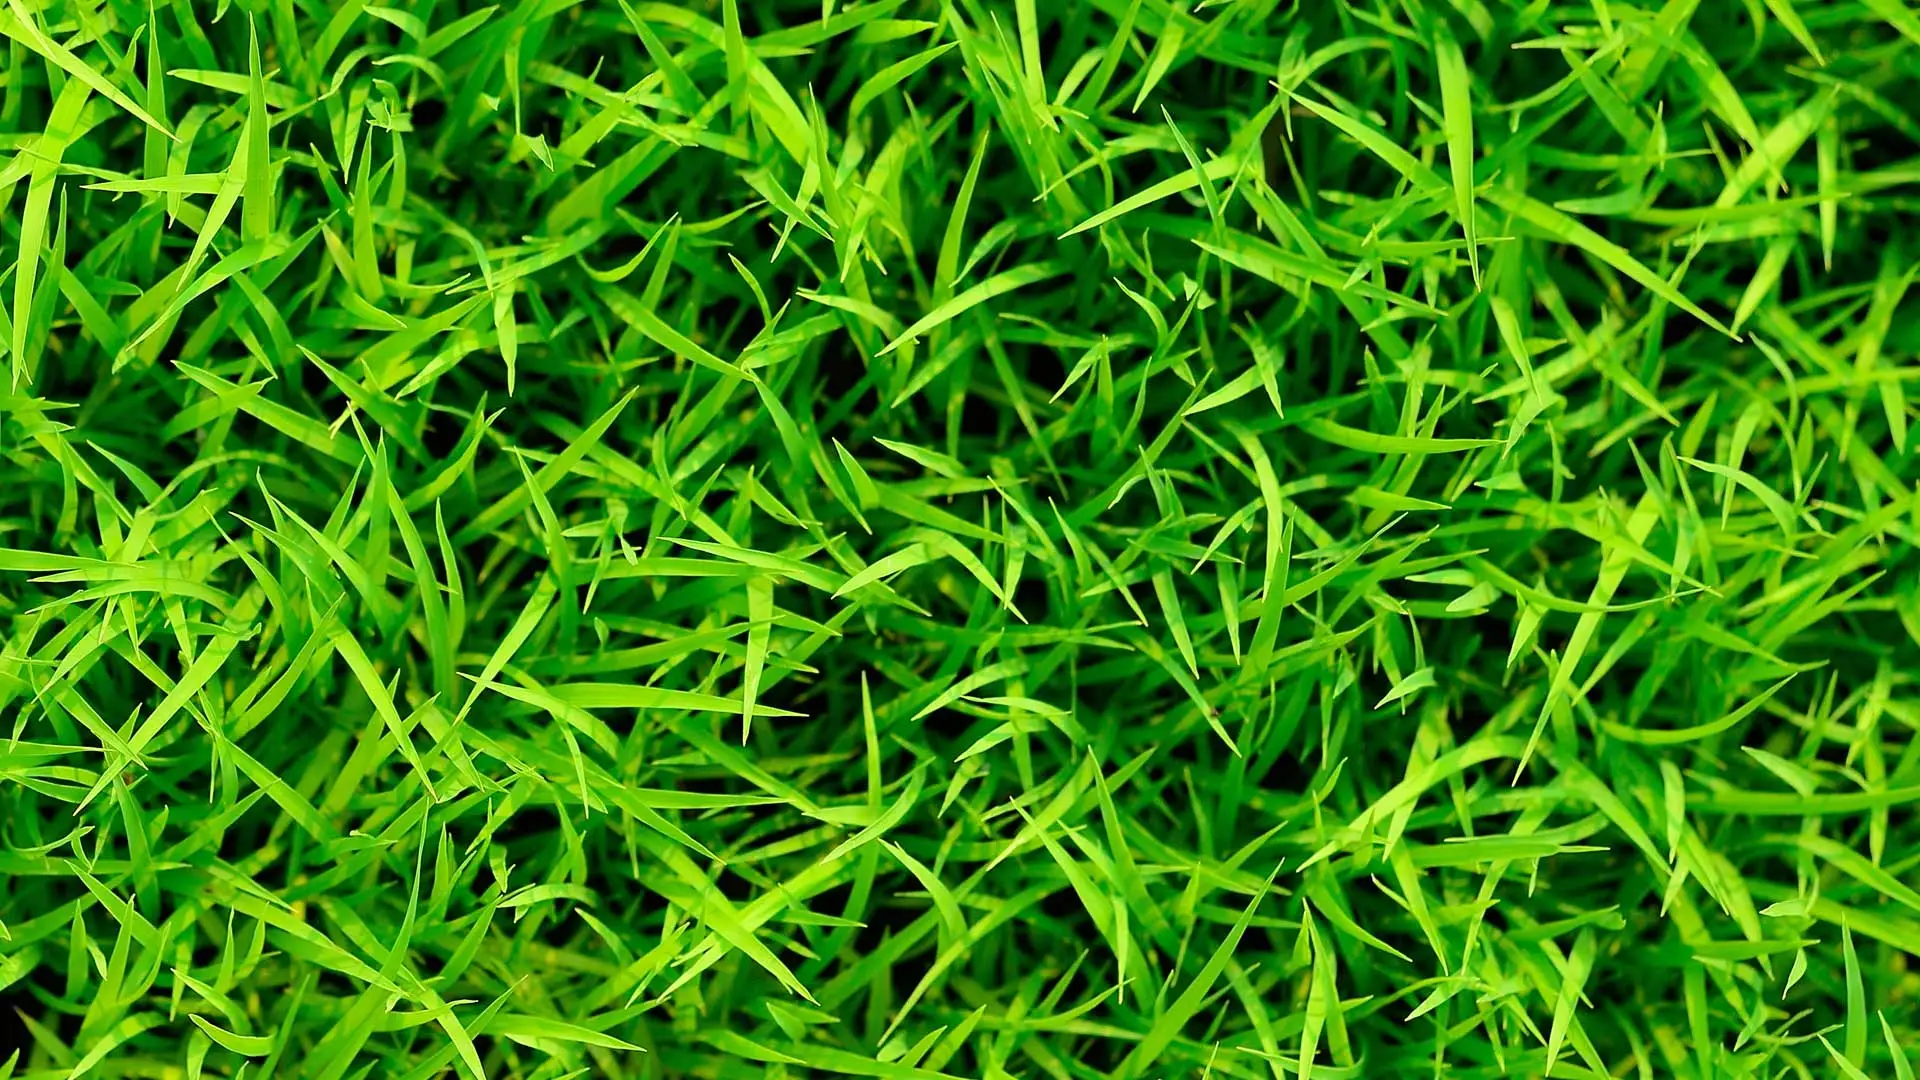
[985, 539]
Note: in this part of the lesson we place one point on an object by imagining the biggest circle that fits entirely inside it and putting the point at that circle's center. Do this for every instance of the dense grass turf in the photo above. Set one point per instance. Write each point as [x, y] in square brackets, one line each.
[980, 538]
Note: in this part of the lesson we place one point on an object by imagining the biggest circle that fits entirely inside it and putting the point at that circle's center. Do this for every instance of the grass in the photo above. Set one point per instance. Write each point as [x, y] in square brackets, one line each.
[959, 538]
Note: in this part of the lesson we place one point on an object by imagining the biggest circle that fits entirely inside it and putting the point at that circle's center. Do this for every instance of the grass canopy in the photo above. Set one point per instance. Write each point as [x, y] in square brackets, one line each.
[959, 539]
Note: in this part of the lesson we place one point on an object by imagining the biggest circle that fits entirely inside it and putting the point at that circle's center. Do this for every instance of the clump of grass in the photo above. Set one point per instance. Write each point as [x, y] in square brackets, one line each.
[918, 539]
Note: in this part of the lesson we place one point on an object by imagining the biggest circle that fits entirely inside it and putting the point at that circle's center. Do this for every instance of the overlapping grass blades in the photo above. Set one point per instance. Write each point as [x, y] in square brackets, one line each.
[953, 538]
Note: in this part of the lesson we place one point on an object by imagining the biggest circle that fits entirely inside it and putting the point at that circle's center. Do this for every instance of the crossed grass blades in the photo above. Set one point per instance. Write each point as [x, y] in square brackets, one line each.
[1122, 538]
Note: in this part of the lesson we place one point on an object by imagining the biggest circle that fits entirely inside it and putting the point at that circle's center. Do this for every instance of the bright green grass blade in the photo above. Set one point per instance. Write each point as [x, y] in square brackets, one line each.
[1457, 110]
[1561, 228]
